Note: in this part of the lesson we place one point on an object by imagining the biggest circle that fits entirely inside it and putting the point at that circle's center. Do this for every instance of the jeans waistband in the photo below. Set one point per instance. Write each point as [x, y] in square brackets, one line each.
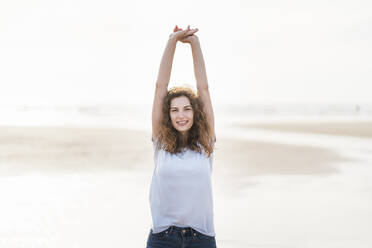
[183, 230]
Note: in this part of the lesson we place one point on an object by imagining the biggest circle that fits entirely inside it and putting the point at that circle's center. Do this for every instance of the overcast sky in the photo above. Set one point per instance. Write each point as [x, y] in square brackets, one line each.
[88, 52]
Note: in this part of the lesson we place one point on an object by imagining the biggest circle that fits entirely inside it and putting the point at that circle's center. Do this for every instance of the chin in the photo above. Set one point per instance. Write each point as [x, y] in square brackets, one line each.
[183, 129]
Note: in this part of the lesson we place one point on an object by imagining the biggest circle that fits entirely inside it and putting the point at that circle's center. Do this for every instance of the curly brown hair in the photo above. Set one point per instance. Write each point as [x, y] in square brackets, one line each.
[198, 135]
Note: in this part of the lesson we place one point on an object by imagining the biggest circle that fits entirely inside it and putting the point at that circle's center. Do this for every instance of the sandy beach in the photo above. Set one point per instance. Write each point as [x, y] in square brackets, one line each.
[61, 180]
[59, 149]
[357, 129]
[56, 149]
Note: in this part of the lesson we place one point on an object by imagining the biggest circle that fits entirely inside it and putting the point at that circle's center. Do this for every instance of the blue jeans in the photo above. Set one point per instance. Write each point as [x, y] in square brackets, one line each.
[180, 237]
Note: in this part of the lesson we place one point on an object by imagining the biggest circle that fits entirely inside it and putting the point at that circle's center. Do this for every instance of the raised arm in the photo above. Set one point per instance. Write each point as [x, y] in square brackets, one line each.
[162, 86]
[164, 77]
[202, 81]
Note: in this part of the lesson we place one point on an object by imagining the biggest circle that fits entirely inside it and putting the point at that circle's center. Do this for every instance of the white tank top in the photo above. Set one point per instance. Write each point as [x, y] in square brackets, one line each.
[181, 191]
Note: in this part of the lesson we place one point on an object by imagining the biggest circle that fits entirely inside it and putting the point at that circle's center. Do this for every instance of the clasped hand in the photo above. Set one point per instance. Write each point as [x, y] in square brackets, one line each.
[185, 36]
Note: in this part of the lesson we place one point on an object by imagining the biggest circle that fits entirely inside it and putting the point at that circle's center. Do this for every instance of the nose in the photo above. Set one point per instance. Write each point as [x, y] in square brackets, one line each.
[181, 114]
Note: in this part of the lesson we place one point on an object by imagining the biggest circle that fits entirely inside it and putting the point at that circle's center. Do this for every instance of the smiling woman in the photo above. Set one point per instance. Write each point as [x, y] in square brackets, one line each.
[182, 129]
[184, 123]
[182, 114]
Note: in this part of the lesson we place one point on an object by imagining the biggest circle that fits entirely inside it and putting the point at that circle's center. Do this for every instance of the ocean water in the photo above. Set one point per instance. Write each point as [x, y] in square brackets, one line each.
[139, 116]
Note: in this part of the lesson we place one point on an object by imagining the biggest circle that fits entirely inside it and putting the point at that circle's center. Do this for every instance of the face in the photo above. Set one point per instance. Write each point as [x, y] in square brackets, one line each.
[181, 114]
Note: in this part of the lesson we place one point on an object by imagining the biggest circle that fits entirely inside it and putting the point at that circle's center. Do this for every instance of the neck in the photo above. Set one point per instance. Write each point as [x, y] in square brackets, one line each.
[183, 138]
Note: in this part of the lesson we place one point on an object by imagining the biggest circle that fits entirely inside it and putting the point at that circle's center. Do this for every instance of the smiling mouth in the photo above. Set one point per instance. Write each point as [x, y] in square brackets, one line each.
[182, 123]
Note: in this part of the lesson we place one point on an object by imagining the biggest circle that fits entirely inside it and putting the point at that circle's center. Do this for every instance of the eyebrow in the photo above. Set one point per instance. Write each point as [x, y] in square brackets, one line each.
[177, 107]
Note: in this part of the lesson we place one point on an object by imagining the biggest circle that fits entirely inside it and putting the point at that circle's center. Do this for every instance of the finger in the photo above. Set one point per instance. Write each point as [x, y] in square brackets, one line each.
[193, 31]
[186, 30]
[176, 28]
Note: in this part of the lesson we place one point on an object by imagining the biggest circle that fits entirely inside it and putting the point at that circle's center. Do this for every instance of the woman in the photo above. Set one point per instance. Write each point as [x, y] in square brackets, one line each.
[183, 138]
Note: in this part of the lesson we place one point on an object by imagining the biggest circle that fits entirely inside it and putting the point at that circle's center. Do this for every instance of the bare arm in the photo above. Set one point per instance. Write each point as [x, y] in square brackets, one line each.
[199, 65]
[202, 83]
[164, 77]
[166, 64]
[162, 85]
